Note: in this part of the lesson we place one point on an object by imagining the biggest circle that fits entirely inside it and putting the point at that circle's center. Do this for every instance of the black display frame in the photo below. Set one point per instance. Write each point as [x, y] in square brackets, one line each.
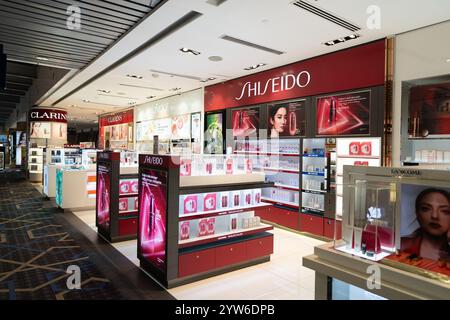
[224, 128]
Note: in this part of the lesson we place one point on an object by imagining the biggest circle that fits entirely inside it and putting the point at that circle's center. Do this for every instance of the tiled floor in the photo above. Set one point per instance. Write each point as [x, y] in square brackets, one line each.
[283, 277]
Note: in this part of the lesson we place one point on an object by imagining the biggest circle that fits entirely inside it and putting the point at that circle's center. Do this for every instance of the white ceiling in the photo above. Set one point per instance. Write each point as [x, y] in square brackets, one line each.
[275, 24]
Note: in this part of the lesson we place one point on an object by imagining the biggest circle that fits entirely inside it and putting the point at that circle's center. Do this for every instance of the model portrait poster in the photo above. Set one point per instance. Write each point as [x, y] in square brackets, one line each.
[425, 221]
[345, 114]
[181, 127]
[153, 217]
[245, 122]
[429, 111]
[214, 133]
[59, 130]
[287, 119]
[40, 130]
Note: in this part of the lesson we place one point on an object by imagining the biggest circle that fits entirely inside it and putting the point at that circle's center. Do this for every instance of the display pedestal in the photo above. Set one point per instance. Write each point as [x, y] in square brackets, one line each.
[394, 283]
[49, 185]
[71, 192]
[178, 247]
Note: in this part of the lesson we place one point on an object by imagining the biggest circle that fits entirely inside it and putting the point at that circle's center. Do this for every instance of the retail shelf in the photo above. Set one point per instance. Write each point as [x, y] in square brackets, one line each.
[128, 195]
[223, 236]
[280, 170]
[215, 213]
[317, 174]
[224, 187]
[313, 209]
[359, 157]
[313, 156]
[284, 186]
[280, 202]
[129, 211]
[314, 191]
[268, 153]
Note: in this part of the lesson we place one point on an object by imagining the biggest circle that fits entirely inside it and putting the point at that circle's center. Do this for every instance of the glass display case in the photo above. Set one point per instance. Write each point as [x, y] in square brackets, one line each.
[370, 218]
[89, 157]
[72, 157]
[35, 160]
[128, 158]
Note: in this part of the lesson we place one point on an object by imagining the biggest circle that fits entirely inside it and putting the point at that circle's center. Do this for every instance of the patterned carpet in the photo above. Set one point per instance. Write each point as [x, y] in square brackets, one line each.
[36, 249]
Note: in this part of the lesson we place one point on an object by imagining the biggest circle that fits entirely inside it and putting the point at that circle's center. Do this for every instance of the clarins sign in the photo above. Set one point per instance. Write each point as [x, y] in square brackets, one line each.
[47, 115]
[116, 118]
[358, 67]
[277, 84]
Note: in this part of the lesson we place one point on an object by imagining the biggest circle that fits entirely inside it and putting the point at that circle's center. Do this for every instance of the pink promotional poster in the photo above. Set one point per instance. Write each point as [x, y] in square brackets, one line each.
[103, 196]
[345, 114]
[153, 217]
[245, 122]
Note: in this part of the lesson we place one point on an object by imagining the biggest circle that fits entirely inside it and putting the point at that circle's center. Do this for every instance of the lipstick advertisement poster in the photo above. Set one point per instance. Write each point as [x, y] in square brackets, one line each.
[153, 217]
[287, 119]
[345, 114]
[245, 122]
[429, 111]
[103, 196]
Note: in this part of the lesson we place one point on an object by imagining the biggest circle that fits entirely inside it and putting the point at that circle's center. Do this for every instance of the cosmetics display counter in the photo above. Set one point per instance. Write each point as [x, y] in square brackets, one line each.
[117, 195]
[35, 164]
[196, 220]
[386, 227]
[73, 187]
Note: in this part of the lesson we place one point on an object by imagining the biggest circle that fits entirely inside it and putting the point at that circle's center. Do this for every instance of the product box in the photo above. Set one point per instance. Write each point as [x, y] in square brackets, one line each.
[202, 227]
[256, 196]
[236, 198]
[123, 204]
[134, 186]
[209, 202]
[211, 226]
[124, 187]
[247, 197]
[185, 167]
[233, 222]
[209, 166]
[184, 230]
[365, 148]
[354, 148]
[189, 204]
[224, 201]
[248, 166]
[136, 206]
[229, 166]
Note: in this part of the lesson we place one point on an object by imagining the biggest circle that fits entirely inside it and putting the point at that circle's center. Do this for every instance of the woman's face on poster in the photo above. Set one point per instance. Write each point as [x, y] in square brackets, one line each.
[433, 214]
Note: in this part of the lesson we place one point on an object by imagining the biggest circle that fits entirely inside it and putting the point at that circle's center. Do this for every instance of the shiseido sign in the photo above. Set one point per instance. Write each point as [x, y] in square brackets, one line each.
[47, 115]
[158, 161]
[277, 84]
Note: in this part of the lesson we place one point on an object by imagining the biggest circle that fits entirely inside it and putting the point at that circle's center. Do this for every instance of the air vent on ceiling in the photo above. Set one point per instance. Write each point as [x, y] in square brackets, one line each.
[177, 75]
[216, 2]
[326, 15]
[114, 96]
[140, 87]
[250, 44]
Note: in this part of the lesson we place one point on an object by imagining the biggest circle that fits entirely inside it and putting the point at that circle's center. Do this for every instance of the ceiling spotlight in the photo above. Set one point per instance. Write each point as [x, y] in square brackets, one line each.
[42, 58]
[74, 105]
[86, 100]
[175, 89]
[151, 97]
[448, 60]
[104, 91]
[329, 43]
[131, 103]
[187, 50]
[255, 66]
[134, 76]
[211, 79]
[341, 40]
[352, 36]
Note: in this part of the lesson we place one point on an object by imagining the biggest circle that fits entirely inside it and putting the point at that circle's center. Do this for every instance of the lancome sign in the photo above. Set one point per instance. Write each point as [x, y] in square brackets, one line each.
[47, 115]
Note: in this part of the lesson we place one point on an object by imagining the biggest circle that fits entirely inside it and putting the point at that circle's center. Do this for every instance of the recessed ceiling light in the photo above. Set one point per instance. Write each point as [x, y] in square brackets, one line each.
[134, 76]
[215, 58]
[73, 105]
[86, 100]
[132, 103]
[448, 60]
[104, 91]
[42, 58]
[341, 40]
[175, 89]
[211, 78]
[151, 97]
[191, 51]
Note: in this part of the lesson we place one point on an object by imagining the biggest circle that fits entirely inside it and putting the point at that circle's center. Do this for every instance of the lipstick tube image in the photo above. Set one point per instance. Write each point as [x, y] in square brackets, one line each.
[332, 111]
[292, 123]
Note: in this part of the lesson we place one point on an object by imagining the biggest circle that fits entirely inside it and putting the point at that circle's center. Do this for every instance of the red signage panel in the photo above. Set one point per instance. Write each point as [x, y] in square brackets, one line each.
[116, 118]
[358, 67]
[47, 115]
